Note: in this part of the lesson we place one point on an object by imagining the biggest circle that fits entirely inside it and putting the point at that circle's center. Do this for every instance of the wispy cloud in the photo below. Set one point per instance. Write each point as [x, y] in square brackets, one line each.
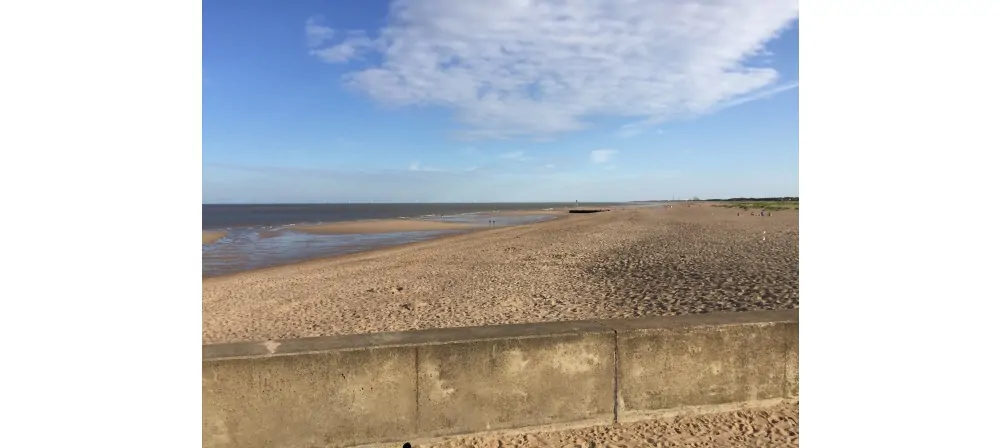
[759, 95]
[316, 33]
[515, 155]
[539, 68]
[351, 48]
[630, 130]
[270, 184]
[602, 155]
[416, 166]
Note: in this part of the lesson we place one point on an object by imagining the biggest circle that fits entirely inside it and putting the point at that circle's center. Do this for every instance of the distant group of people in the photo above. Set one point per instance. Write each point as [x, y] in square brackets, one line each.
[763, 212]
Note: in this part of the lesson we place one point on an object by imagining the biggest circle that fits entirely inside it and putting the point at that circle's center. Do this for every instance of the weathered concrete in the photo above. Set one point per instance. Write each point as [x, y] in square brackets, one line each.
[668, 363]
[339, 398]
[394, 387]
[792, 361]
[360, 389]
[510, 383]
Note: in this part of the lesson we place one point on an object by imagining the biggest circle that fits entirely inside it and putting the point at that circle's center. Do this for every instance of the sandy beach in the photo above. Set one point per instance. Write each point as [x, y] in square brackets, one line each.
[625, 263]
[211, 236]
[776, 426]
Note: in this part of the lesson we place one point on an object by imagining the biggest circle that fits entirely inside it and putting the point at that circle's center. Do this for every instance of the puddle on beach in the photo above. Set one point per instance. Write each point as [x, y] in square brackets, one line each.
[245, 249]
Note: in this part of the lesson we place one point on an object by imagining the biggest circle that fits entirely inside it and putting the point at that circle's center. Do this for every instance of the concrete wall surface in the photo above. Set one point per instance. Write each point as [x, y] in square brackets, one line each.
[396, 387]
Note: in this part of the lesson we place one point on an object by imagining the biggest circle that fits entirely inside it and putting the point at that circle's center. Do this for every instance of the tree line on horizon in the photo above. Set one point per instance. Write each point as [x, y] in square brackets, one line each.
[781, 199]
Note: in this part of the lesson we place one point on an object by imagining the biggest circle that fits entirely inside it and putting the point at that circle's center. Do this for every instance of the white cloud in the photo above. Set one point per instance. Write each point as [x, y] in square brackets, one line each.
[602, 155]
[549, 166]
[536, 68]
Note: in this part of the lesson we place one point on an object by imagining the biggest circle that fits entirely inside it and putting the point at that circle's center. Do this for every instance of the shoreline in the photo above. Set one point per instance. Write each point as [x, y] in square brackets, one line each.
[375, 251]
[293, 225]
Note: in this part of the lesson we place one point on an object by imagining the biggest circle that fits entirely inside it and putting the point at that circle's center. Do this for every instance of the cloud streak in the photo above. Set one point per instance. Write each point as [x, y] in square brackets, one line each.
[517, 156]
[539, 68]
[602, 155]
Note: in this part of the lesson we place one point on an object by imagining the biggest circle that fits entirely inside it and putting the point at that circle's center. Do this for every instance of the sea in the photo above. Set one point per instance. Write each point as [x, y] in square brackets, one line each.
[263, 235]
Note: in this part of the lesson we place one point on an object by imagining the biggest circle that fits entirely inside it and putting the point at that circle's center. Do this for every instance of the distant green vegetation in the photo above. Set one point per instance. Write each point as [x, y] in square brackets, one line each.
[781, 199]
[750, 204]
[771, 206]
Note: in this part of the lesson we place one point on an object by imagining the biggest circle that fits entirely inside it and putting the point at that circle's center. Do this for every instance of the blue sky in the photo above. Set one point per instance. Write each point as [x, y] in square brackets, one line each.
[447, 101]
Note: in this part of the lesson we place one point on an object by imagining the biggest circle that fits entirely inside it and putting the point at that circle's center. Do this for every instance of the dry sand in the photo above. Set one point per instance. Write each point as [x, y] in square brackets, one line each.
[776, 426]
[625, 263]
[385, 226]
[209, 236]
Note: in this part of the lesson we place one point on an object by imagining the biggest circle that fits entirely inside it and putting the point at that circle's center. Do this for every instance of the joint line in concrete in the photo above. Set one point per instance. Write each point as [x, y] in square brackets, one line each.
[416, 395]
[784, 369]
[614, 379]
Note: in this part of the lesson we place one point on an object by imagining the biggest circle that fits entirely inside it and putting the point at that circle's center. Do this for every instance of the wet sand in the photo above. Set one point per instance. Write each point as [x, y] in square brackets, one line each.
[625, 263]
[252, 248]
[532, 212]
[211, 236]
[776, 426]
[249, 249]
[384, 226]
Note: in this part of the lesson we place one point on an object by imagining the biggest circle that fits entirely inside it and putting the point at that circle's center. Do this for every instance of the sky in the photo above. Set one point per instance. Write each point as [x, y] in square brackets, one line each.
[501, 101]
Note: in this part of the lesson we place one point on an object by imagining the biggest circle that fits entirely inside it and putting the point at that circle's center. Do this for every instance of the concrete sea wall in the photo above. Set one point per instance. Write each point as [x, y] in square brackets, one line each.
[390, 388]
